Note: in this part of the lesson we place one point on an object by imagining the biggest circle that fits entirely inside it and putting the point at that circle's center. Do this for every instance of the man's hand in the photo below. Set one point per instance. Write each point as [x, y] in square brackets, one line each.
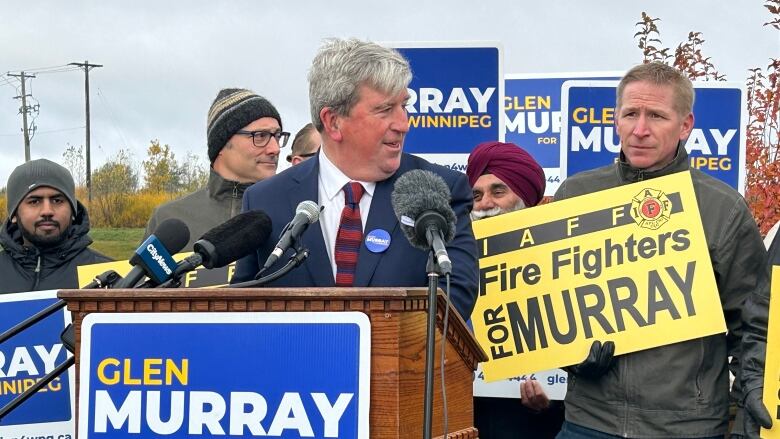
[756, 414]
[532, 395]
[599, 361]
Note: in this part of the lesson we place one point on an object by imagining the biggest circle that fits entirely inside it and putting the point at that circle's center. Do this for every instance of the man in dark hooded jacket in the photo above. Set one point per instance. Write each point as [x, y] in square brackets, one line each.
[45, 236]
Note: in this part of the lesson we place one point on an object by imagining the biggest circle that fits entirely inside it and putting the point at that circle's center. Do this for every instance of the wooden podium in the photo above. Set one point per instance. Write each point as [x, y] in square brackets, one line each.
[398, 324]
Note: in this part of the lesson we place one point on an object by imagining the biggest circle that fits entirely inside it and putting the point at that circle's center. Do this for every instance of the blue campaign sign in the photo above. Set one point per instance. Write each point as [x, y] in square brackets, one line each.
[25, 359]
[532, 107]
[178, 375]
[455, 99]
[716, 144]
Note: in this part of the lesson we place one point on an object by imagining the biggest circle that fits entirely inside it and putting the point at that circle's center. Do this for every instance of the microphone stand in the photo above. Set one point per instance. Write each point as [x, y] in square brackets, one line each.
[301, 253]
[104, 280]
[67, 341]
[434, 271]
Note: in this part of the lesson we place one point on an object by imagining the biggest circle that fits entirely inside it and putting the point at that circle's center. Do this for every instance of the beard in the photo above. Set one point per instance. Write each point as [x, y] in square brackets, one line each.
[477, 215]
[43, 240]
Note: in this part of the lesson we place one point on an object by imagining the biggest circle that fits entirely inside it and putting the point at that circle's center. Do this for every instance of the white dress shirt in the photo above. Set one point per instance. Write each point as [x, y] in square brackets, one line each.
[331, 196]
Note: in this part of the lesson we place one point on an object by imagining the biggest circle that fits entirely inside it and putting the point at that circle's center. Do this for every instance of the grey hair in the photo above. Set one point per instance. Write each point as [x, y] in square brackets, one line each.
[658, 73]
[342, 66]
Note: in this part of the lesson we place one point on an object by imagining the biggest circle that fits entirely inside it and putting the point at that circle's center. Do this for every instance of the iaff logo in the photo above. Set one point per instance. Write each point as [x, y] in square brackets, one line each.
[650, 209]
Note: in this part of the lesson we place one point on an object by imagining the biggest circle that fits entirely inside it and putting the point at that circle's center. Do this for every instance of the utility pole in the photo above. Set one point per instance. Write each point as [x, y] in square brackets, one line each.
[24, 110]
[87, 66]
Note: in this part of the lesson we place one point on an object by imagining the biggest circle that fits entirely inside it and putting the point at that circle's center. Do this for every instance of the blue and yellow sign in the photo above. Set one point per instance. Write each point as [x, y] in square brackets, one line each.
[455, 99]
[28, 357]
[178, 375]
[532, 107]
[716, 145]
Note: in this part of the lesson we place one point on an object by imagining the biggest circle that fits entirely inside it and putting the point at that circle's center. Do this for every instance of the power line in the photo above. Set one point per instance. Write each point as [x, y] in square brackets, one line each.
[57, 71]
[111, 116]
[61, 130]
[47, 69]
[46, 132]
[8, 82]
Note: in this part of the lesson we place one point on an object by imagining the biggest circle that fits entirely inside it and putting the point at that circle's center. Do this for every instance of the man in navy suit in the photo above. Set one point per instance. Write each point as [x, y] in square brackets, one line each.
[358, 93]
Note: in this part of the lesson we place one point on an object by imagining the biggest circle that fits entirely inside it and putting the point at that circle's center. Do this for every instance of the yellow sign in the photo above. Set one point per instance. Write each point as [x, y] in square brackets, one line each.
[198, 278]
[628, 264]
[772, 366]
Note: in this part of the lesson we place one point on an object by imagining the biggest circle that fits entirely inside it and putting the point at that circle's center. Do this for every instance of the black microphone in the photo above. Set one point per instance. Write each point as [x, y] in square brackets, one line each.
[107, 279]
[228, 242]
[153, 258]
[306, 213]
[421, 201]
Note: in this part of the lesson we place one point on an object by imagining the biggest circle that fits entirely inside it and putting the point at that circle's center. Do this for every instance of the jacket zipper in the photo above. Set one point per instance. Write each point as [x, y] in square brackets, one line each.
[697, 381]
[233, 210]
[37, 274]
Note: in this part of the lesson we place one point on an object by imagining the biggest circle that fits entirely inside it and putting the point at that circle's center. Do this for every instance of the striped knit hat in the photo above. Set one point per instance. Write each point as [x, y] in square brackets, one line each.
[233, 109]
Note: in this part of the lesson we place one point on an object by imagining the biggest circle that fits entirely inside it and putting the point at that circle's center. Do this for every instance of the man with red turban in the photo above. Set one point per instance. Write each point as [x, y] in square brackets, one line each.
[503, 178]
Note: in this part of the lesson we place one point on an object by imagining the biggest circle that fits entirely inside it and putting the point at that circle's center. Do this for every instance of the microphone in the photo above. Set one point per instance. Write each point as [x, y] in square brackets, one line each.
[306, 213]
[107, 279]
[421, 201]
[228, 242]
[153, 257]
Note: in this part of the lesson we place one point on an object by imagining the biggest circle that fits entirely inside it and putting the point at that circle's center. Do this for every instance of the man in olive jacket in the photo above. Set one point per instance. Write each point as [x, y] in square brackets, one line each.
[245, 135]
[45, 236]
[678, 390]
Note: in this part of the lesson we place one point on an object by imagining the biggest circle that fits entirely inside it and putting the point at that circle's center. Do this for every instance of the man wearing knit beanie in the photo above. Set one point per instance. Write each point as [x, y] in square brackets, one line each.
[503, 178]
[244, 136]
[45, 236]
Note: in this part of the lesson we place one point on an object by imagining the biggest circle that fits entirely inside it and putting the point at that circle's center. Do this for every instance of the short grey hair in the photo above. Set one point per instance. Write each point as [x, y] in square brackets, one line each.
[658, 73]
[341, 67]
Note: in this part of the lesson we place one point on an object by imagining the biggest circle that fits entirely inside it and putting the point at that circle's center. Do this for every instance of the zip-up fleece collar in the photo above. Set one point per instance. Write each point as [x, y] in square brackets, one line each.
[220, 188]
[629, 173]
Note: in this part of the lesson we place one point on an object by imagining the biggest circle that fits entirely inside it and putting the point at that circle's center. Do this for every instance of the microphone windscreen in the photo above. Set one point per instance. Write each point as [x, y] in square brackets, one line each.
[173, 234]
[237, 237]
[310, 209]
[418, 191]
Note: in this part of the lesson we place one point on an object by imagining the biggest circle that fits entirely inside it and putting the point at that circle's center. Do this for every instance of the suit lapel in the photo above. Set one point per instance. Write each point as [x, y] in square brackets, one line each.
[318, 264]
[380, 216]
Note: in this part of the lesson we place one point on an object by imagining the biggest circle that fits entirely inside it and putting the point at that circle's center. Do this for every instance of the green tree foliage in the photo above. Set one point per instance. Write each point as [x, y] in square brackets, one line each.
[112, 184]
[161, 171]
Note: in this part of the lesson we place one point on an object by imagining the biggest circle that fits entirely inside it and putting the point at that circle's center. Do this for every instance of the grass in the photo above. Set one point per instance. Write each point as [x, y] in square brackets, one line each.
[117, 244]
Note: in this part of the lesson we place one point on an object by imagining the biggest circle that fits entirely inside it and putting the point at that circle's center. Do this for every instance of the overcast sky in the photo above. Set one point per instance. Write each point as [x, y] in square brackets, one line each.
[164, 61]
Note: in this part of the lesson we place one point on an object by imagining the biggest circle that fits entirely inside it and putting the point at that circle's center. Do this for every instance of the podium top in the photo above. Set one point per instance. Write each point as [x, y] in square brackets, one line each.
[372, 301]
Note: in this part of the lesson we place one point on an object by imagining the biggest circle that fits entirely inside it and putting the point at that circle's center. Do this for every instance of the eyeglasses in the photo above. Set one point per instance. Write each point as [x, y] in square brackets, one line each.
[303, 156]
[261, 138]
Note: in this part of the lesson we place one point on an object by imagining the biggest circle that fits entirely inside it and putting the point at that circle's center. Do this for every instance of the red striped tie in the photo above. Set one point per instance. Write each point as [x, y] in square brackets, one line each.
[349, 236]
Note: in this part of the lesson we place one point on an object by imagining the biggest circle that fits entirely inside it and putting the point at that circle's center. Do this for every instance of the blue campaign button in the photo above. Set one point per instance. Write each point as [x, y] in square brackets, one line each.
[377, 240]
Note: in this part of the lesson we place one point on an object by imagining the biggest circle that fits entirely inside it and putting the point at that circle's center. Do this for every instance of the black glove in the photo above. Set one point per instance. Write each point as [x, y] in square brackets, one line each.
[756, 414]
[599, 361]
